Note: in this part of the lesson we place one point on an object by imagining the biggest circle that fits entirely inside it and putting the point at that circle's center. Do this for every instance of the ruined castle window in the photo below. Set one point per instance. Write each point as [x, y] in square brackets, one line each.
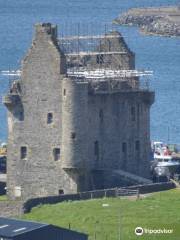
[138, 109]
[21, 116]
[73, 135]
[56, 154]
[99, 59]
[64, 92]
[49, 118]
[137, 146]
[61, 191]
[101, 115]
[23, 152]
[96, 149]
[124, 147]
[133, 114]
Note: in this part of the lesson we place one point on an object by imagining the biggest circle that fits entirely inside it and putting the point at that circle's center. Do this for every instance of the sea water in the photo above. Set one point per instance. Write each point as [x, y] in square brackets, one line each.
[159, 54]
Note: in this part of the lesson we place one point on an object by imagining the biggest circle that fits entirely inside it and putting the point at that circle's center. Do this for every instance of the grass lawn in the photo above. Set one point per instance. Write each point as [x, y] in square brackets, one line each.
[122, 216]
[3, 198]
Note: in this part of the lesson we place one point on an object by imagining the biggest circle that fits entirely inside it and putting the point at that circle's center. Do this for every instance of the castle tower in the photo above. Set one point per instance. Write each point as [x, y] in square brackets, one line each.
[75, 131]
[70, 127]
[35, 119]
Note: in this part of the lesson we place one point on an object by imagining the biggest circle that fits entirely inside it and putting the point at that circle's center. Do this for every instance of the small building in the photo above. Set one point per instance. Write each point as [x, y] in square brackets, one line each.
[13, 229]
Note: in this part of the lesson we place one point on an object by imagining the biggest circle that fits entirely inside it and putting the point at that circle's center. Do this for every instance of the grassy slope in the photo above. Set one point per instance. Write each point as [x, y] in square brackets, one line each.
[160, 210]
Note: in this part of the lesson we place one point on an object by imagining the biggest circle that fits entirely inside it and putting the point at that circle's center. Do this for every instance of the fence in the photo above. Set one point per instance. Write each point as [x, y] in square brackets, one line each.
[127, 192]
[114, 192]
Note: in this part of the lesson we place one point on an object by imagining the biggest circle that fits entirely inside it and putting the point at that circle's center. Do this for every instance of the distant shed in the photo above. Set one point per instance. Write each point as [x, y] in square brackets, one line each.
[14, 229]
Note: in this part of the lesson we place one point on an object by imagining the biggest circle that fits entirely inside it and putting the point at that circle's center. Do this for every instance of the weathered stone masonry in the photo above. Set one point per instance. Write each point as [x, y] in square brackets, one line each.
[65, 132]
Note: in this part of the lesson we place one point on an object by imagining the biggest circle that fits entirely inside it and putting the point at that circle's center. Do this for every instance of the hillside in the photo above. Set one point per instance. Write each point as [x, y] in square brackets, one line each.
[159, 210]
[160, 21]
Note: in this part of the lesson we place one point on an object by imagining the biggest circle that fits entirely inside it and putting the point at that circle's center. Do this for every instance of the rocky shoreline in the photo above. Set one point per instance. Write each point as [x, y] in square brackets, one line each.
[158, 21]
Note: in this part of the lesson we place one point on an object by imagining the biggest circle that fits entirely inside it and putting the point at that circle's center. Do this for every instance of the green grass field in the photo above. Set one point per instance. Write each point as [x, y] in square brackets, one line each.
[3, 198]
[119, 219]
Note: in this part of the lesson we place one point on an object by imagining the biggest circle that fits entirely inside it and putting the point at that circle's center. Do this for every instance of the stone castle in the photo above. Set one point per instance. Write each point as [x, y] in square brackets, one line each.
[74, 119]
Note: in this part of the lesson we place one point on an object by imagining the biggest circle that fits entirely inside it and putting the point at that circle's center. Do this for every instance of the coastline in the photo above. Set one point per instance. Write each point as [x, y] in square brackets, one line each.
[163, 21]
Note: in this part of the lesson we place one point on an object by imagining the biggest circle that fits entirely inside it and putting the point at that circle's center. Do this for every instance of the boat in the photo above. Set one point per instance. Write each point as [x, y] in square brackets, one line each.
[163, 166]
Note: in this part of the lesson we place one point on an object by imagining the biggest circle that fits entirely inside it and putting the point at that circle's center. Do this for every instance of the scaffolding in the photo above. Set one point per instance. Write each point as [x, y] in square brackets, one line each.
[107, 73]
[88, 53]
[10, 72]
[84, 39]
[72, 38]
[93, 74]
[81, 43]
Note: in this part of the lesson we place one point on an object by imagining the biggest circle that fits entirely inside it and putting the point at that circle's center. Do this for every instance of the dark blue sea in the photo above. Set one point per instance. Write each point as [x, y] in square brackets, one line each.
[160, 54]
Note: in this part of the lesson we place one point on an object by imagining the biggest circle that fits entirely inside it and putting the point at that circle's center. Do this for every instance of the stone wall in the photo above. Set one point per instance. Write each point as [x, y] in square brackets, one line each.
[43, 68]
[155, 187]
[11, 208]
[123, 58]
[112, 123]
[143, 189]
[16, 208]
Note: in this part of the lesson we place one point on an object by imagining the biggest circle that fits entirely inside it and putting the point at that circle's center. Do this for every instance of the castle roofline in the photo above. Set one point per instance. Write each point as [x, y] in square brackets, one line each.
[47, 28]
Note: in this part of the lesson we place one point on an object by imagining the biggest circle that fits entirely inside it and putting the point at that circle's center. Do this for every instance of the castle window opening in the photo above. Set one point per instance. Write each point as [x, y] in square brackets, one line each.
[99, 59]
[23, 152]
[64, 92]
[101, 115]
[137, 145]
[138, 109]
[21, 116]
[56, 154]
[73, 135]
[124, 147]
[61, 191]
[96, 149]
[49, 118]
[133, 114]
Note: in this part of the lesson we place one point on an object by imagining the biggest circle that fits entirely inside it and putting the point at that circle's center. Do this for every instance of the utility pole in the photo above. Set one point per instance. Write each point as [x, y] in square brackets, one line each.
[120, 225]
